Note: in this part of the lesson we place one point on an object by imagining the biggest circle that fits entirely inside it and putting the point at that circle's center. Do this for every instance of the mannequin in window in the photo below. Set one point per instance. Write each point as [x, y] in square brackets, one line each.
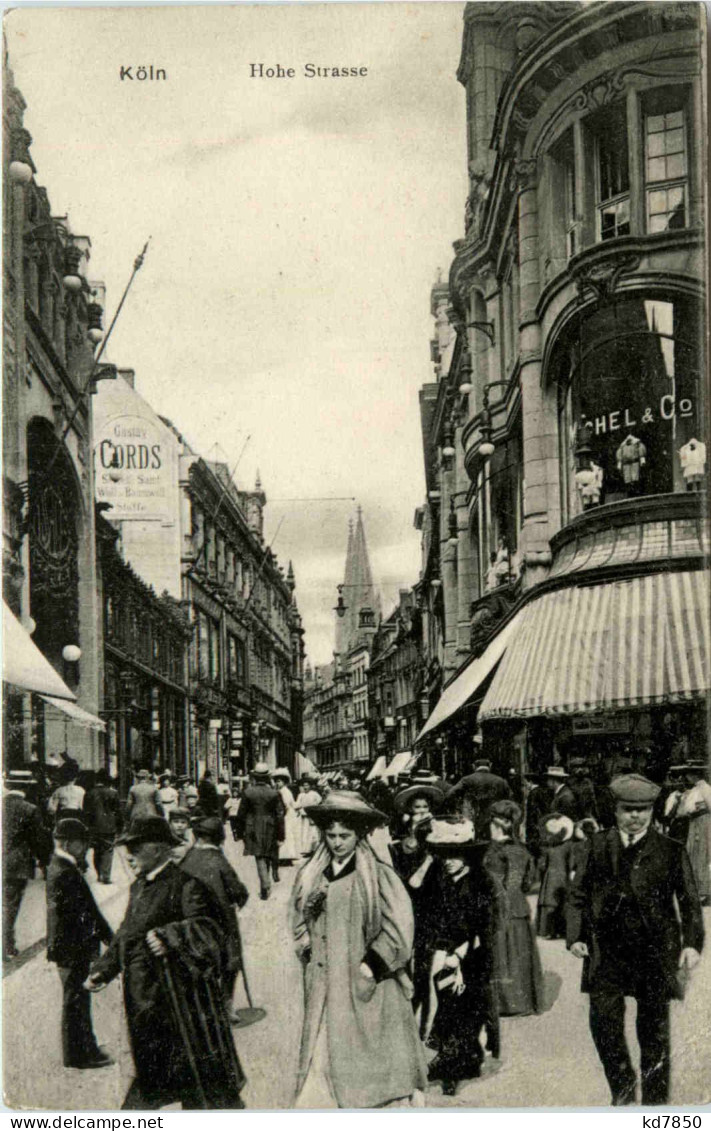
[589, 483]
[631, 458]
[693, 464]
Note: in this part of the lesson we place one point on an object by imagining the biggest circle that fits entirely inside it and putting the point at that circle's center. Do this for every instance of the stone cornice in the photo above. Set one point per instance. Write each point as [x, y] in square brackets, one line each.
[570, 46]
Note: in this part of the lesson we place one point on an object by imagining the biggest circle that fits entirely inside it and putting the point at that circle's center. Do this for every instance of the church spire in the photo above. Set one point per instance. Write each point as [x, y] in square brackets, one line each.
[358, 588]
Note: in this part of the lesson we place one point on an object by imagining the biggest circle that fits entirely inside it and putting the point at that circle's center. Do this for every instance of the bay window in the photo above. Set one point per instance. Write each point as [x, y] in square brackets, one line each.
[630, 386]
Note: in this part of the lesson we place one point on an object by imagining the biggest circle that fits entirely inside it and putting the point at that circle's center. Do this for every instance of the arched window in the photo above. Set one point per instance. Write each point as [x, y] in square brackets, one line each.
[54, 522]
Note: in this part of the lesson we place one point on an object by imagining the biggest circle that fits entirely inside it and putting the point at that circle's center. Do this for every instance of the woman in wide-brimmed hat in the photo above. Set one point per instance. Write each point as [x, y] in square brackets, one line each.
[353, 930]
[557, 864]
[519, 976]
[462, 971]
[418, 870]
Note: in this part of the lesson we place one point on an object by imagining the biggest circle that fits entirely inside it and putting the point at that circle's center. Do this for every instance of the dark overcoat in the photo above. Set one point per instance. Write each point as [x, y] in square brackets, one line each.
[565, 802]
[260, 821]
[102, 812]
[24, 838]
[75, 926]
[474, 795]
[467, 913]
[661, 881]
[184, 914]
[210, 866]
[519, 977]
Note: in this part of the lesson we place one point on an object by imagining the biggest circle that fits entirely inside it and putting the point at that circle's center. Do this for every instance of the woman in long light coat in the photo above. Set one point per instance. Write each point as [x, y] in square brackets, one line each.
[353, 930]
[290, 847]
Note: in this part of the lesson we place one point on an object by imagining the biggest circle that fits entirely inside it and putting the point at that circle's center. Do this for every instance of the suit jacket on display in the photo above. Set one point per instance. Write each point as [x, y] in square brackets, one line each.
[660, 877]
[75, 926]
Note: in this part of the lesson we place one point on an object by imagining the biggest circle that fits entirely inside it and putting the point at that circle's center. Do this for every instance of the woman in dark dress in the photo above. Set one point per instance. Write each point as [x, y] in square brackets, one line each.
[419, 872]
[519, 975]
[463, 958]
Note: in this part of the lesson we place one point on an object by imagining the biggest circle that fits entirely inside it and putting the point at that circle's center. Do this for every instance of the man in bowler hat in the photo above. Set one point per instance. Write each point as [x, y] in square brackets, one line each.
[260, 824]
[622, 921]
[75, 928]
[170, 915]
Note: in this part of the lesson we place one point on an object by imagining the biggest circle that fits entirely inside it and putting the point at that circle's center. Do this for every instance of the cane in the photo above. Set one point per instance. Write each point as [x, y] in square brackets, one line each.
[172, 994]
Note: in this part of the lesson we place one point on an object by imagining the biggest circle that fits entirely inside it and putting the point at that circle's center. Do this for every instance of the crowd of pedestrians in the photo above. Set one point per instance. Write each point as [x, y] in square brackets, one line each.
[411, 911]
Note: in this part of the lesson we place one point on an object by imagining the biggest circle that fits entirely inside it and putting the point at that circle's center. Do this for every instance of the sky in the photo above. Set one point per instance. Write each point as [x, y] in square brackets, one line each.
[297, 226]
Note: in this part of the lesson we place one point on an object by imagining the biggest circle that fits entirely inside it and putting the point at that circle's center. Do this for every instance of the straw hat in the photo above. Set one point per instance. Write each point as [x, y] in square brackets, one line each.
[557, 772]
[345, 803]
[281, 772]
[433, 794]
[260, 771]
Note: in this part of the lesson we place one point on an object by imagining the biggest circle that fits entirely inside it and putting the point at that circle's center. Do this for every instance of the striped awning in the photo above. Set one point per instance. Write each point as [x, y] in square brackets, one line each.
[24, 665]
[620, 644]
[77, 714]
[399, 764]
[461, 689]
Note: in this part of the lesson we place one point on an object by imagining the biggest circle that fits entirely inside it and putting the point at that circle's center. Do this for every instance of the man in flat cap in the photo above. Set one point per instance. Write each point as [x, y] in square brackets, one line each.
[170, 916]
[622, 921]
[75, 928]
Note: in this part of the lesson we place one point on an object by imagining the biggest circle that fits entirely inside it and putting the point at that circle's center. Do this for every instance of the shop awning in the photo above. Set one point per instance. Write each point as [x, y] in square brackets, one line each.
[378, 768]
[463, 686]
[76, 713]
[305, 765]
[632, 643]
[24, 665]
[400, 763]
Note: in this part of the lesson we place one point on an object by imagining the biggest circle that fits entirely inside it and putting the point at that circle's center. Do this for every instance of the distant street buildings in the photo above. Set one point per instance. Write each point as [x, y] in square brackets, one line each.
[157, 628]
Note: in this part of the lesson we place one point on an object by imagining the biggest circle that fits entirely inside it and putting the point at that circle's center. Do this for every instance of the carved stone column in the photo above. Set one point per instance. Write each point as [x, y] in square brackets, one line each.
[540, 497]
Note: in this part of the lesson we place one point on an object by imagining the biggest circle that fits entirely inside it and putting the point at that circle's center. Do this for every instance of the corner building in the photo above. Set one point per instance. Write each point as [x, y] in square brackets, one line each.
[569, 423]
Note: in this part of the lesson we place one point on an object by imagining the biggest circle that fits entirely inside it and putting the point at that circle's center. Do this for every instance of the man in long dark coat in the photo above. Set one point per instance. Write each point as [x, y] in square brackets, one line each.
[474, 795]
[622, 921]
[260, 824]
[75, 929]
[102, 814]
[563, 800]
[170, 916]
[24, 842]
[206, 861]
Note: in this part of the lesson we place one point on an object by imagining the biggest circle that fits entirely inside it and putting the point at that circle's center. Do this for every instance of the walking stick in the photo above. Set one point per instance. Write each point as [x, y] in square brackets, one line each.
[172, 994]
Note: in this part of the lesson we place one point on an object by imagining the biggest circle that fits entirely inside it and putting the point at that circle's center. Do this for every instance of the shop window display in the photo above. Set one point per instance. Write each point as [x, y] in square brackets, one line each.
[630, 415]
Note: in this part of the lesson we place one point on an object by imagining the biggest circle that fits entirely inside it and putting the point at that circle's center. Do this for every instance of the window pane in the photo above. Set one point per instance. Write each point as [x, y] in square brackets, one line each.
[677, 219]
[655, 145]
[674, 141]
[675, 197]
[675, 119]
[655, 122]
[658, 201]
[656, 169]
[676, 167]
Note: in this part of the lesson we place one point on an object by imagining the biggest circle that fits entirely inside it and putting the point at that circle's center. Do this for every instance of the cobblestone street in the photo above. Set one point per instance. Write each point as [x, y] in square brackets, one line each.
[546, 1061]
